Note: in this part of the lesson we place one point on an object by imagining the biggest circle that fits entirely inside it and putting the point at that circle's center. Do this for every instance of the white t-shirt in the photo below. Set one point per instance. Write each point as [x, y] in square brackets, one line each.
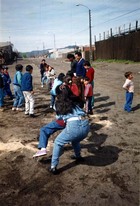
[129, 85]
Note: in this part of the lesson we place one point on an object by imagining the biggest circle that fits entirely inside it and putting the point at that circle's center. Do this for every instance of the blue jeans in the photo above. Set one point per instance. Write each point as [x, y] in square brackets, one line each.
[19, 98]
[52, 100]
[74, 132]
[7, 90]
[1, 97]
[129, 99]
[89, 104]
[47, 131]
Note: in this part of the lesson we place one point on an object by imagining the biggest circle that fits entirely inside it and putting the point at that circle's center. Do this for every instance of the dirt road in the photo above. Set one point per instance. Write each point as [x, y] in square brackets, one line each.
[107, 177]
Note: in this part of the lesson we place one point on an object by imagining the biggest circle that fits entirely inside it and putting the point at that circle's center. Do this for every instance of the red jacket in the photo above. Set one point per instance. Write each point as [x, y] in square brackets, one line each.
[90, 74]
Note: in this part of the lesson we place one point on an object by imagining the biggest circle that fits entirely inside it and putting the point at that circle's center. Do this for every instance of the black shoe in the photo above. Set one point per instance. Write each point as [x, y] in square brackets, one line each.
[90, 112]
[78, 159]
[54, 171]
[32, 115]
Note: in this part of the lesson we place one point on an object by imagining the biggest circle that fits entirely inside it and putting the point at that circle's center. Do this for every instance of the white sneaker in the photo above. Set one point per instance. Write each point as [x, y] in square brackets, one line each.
[20, 109]
[14, 108]
[41, 85]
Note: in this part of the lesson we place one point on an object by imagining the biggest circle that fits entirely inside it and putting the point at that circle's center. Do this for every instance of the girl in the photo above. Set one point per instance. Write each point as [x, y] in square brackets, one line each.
[77, 126]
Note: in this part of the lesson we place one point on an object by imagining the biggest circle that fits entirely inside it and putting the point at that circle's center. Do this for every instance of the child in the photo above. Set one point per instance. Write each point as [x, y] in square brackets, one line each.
[47, 130]
[42, 68]
[77, 127]
[45, 75]
[51, 76]
[57, 82]
[7, 82]
[1, 92]
[90, 74]
[19, 98]
[88, 93]
[129, 87]
[27, 88]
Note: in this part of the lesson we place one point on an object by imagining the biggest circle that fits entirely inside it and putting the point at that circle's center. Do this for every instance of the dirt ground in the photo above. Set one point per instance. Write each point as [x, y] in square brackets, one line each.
[107, 177]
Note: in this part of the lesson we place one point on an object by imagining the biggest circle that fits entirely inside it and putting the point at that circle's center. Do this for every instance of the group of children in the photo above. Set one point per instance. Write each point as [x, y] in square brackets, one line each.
[82, 87]
[22, 86]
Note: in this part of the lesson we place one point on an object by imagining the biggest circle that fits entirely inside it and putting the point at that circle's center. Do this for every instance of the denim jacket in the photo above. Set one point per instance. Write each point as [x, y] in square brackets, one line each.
[77, 111]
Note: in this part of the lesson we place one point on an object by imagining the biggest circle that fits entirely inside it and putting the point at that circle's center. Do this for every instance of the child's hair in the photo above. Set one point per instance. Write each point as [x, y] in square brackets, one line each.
[127, 74]
[86, 79]
[67, 80]
[70, 73]
[87, 63]
[61, 76]
[29, 68]
[65, 102]
[19, 67]
[5, 67]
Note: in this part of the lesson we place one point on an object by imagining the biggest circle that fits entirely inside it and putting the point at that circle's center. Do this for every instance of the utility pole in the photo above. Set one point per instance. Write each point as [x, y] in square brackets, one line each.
[90, 33]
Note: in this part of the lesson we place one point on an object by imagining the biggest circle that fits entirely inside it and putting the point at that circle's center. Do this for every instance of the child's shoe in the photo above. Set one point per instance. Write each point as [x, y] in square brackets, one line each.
[1, 109]
[20, 109]
[54, 170]
[14, 108]
[32, 115]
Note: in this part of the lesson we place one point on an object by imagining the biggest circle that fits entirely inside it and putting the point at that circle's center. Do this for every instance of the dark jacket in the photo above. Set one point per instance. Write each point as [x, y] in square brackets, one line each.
[80, 70]
[26, 84]
[1, 82]
[73, 66]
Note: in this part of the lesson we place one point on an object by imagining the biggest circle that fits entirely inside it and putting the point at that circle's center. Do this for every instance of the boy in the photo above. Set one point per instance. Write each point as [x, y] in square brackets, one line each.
[1, 91]
[19, 98]
[90, 74]
[129, 87]
[7, 82]
[27, 88]
[88, 93]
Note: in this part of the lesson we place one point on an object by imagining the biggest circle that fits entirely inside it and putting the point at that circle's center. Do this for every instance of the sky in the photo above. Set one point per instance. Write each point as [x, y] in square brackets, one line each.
[44, 24]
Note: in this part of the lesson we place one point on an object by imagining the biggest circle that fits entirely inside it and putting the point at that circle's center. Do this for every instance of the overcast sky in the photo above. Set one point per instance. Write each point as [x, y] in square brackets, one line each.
[37, 24]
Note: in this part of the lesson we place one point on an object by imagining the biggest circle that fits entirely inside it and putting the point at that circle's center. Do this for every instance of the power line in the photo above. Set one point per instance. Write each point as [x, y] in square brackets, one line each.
[117, 17]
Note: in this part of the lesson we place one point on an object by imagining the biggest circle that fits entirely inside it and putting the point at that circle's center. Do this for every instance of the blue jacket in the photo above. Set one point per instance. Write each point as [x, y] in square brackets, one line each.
[77, 111]
[55, 84]
[80, 70]
[26, 84]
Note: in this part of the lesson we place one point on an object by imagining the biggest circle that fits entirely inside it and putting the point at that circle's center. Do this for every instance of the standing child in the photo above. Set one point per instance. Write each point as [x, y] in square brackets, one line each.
[129, 87]
[27, 88]
[90, 74]
[19, 98]
[57, 81]
[7, 82]
[1, 92]
[88, 93]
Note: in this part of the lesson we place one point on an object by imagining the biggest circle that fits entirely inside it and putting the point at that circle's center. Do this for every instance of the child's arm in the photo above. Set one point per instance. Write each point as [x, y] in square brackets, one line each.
[126, 85]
